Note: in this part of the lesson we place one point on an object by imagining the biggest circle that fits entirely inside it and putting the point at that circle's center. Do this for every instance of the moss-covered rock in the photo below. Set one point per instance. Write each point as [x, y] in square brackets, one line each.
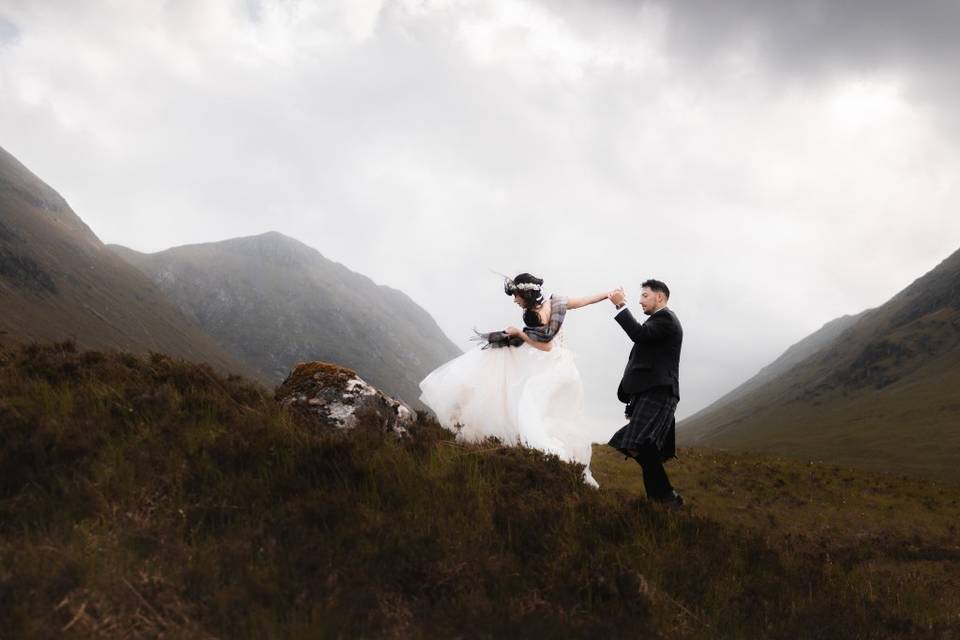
[334, 396]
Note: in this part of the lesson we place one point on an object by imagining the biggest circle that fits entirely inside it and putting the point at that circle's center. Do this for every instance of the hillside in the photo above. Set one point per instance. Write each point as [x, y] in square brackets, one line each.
[879, 389]
[58, 281]
[142, 498]
[272, 301]
[796, 354]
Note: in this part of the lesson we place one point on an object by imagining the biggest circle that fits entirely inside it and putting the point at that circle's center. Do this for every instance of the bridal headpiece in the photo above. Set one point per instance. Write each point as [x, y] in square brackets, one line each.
[510, 287]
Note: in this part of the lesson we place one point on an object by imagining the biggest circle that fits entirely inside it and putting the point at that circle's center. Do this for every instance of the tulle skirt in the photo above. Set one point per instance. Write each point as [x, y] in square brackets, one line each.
[517, 394]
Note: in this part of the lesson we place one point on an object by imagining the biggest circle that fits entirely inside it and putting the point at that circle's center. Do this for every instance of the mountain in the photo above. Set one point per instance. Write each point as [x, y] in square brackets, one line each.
[58, 281]
[790, 358]
[880, 389]
[272, 301]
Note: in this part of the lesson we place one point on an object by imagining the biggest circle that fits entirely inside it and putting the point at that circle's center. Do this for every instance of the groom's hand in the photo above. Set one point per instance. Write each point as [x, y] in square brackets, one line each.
[617, 297]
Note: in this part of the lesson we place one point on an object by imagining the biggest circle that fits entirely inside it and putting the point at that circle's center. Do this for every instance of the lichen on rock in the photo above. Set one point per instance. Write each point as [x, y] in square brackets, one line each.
[334, 396]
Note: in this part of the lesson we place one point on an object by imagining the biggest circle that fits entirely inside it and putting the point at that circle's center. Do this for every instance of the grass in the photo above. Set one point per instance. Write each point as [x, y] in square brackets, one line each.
[883, 396]
[907, 427]
[148, 497]
[895, 538]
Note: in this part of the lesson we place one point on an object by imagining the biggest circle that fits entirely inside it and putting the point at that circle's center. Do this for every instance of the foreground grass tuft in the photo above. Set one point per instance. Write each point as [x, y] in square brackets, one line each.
[142, 497]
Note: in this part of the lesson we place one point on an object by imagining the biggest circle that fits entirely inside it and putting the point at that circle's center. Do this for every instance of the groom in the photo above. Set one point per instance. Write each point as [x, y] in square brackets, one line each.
[650, 387]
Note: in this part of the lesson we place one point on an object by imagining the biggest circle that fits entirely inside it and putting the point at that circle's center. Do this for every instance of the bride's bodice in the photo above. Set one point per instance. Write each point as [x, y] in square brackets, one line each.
[559, 340]
[558, 346]
[531, 318]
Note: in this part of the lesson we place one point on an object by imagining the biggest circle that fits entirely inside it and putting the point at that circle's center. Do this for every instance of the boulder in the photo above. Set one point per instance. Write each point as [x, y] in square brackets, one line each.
[334, 396]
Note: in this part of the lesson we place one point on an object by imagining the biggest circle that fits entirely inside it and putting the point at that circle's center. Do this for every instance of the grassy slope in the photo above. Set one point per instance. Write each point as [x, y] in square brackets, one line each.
[789, 359]
[912, 426]
[147, 496]
[883, 394]
[894, 538]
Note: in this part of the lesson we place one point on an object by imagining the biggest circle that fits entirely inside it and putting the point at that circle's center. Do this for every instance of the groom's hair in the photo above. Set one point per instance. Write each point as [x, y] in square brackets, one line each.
[657, 286]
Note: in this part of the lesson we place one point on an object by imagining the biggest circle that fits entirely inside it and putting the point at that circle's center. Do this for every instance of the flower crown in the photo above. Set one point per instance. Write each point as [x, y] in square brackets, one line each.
[527, 286]
[510, 287]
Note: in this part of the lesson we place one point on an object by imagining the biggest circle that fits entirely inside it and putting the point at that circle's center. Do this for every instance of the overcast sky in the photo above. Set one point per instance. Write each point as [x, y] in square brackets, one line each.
[778, 164]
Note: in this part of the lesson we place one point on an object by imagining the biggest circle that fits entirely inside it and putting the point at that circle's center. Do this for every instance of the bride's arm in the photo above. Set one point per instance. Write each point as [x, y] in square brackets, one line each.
[536, 344]
[576, 303]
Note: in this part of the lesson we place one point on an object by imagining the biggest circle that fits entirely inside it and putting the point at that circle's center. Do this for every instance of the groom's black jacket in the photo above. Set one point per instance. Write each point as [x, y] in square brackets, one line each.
[655, 357]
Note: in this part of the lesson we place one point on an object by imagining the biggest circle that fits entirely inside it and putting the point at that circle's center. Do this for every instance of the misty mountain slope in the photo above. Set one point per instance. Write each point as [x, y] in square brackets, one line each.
[790, 358]
[273, 301]
[58, 281]
[883, 390]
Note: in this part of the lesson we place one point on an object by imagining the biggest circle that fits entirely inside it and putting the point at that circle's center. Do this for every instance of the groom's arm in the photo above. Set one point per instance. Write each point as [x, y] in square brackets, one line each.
[656, 328]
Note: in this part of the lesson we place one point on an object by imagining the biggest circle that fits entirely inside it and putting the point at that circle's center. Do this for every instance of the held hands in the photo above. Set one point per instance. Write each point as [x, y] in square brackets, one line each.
[617, 296]
[514, 332]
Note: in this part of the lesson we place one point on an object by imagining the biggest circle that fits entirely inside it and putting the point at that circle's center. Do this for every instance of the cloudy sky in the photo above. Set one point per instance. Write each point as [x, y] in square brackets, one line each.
[779, 164]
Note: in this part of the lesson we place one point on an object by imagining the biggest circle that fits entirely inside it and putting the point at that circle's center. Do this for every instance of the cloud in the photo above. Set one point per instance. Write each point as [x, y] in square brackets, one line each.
[818, 36]
[596, 144]
[8, 31]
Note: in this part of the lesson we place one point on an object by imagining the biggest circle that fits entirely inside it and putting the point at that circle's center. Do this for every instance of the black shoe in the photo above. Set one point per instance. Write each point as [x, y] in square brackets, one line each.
[672, 499]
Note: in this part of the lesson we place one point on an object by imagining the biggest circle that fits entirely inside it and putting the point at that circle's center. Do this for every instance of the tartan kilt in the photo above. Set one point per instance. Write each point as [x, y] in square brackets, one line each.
[651, 423]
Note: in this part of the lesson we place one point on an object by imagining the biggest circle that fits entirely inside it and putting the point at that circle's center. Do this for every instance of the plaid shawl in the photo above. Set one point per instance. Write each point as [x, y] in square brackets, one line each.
[546, 333]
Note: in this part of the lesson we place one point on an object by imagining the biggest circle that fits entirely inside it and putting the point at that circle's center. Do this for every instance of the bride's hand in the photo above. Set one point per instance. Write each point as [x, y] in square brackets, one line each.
[513, 331]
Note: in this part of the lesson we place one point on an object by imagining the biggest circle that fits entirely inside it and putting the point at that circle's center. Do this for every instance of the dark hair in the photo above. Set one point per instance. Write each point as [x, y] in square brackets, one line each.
[531, 297]
[657, 286]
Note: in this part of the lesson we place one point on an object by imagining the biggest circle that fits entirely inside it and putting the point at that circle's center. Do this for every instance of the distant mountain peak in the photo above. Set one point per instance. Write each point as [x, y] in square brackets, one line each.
[271, 247]
[274, 301]
[938, 289]
[14, 176]
[18, 181]
[269, 239]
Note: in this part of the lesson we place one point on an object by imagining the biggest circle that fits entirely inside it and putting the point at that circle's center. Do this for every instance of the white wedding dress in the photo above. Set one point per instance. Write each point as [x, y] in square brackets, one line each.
[520, 395]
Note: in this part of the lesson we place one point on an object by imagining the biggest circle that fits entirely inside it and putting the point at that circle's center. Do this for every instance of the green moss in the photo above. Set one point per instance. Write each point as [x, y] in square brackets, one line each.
[307, 376]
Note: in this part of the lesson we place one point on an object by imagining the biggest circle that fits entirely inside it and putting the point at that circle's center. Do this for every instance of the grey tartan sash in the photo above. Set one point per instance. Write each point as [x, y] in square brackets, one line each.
[546, 333]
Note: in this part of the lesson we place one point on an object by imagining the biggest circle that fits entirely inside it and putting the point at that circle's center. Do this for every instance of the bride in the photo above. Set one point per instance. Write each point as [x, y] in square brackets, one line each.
[520, 385]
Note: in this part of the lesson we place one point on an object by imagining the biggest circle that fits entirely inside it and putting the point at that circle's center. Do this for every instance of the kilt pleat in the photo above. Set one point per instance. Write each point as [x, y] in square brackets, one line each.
[651, 423]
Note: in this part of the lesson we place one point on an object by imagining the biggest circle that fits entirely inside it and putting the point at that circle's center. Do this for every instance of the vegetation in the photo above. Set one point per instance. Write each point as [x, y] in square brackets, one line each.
[891, 537]
[877, 390]
[147, 497]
